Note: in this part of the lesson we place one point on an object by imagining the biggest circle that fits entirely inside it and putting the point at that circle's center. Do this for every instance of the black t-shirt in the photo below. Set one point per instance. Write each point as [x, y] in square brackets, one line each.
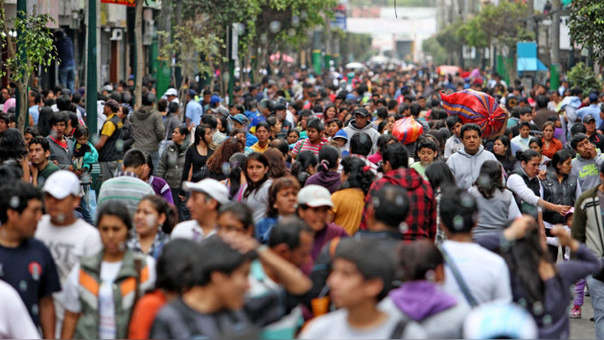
[176, 320]
[31, 270]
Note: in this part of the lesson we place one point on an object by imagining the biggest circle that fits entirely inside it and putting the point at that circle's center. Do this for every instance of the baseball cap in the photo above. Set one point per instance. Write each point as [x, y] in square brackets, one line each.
[61, 184]
[314, 196]
[361, 112]
[240, 118]
[171, 92]
[588, 118]
[341, 134]
[192, 93]
[210, 187]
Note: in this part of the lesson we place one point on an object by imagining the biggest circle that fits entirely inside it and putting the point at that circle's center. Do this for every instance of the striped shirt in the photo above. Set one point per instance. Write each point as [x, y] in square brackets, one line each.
[126, 188]
[306, 145]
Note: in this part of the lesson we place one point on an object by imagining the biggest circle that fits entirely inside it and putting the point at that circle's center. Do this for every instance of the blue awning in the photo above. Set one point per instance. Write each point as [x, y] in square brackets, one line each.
[527, 57]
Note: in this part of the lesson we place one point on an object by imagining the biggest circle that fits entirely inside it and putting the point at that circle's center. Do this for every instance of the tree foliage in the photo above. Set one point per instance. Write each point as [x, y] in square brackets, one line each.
[583, 77]
[34, 41]
[431, 47]
[586, 25]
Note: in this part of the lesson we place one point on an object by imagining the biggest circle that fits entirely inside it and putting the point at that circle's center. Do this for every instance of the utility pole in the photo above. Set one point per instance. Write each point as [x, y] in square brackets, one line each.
[555, 49]
[91, 71]
[138, 54]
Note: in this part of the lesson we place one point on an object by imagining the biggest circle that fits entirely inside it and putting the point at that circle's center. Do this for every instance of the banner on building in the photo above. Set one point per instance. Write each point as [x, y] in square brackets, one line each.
[129, 3]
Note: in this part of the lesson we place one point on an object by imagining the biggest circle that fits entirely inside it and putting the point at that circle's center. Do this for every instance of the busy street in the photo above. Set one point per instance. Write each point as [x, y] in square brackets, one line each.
[301, 169]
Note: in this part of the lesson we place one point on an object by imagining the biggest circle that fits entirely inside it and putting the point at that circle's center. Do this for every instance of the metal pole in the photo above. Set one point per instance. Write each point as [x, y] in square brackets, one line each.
[91, 72]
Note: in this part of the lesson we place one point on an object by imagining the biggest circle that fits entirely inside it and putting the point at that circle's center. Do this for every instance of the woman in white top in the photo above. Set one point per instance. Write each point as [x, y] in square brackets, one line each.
[258, 183]
[102, 289]
[526, 187]
[496, 204]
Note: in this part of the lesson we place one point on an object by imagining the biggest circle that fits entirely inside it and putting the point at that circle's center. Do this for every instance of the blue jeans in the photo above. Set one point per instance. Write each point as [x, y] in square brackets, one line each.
[596, 290]
[67, 77]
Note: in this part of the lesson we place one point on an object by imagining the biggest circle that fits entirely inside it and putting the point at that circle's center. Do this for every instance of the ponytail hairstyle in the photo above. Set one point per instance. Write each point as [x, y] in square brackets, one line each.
[304, 160]
[163, 207]
[251, 186]
[328, 158]
[236, 163]
[359, 175]
[489, 179]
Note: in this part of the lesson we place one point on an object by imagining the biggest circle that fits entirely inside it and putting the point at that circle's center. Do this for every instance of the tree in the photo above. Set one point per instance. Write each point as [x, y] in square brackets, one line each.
[586, 25]
[583, 77]
[431, 47]
[35, 49]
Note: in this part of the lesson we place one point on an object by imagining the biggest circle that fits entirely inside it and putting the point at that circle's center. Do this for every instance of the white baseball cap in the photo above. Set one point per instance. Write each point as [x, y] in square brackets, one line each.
[314, 196]
[61, 184]
[171, 92]
[210, 187]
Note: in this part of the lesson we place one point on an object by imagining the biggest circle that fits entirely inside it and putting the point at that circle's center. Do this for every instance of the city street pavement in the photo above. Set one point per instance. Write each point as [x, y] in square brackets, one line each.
[583, 328]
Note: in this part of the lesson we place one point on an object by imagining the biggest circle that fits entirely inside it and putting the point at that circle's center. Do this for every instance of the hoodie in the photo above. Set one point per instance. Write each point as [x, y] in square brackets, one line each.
[330, 180]
[147, 128]
[587, 171]
[369, 129]
[424, 302]
[421, 220]
[466, 167]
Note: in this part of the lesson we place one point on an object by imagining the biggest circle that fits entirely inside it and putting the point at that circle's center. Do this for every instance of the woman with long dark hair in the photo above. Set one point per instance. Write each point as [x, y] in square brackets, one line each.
[327, 171]
[527, 189]
[258, 183]
[116, 274]
[349, 201]
[236, 182]
[496, 204]
[153, 222]
[559, 187]
[197, 154]
[538, 284]
[304, 166]
[503, 153]
[276, 162]
[440, 177]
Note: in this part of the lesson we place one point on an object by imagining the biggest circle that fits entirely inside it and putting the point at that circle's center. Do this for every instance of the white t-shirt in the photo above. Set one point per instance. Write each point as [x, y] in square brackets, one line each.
[15, 322]
[335, 326]
[67, 245]
[190, 230]
[109, 272]
[484, 272]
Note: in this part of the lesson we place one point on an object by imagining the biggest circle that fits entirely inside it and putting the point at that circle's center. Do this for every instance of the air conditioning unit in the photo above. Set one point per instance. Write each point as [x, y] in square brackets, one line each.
[116, 34]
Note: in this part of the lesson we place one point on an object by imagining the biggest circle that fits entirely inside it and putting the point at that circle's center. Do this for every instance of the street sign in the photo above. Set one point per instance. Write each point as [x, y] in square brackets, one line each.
[129, 3]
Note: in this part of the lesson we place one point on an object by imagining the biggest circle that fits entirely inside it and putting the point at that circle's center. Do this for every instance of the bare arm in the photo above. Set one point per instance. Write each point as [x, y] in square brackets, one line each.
[99, 145]
[69, 324]
[47, 317]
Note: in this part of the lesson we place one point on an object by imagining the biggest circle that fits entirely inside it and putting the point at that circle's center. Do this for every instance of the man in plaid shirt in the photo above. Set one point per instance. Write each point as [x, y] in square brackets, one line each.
[421, 221]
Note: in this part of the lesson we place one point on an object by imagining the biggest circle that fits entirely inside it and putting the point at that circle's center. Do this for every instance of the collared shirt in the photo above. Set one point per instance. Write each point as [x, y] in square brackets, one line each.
[194, 111]
[160, 239]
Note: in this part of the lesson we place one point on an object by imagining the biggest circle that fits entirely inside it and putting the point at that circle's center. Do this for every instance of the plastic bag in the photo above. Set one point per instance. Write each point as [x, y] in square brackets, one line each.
[407, 130]
[476, 107]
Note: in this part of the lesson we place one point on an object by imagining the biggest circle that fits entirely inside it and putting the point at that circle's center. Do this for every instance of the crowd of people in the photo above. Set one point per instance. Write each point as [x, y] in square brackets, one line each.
[294, 212]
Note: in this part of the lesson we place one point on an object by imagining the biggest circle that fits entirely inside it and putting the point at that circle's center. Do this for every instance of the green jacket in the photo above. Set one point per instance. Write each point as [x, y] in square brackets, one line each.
[124, 289]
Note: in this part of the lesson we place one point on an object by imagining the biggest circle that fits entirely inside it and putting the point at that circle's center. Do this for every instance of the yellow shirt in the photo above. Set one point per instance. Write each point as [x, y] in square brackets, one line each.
[108, 127]
[348, 207]
[256, 148]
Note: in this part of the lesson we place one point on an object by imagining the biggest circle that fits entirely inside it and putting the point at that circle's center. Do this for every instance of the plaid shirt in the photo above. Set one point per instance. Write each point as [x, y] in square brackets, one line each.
[160, 239]
[421, 221]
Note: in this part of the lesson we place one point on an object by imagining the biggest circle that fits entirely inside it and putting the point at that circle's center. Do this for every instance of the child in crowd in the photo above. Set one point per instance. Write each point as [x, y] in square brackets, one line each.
[427, 151]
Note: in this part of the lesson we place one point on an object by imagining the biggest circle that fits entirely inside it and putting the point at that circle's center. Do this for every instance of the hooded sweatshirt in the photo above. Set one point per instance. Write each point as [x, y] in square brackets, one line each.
[421, 220]
[330, 180]
[369, 129]
[466, 167]
[441, 315]
[587, 171]
[147, 129]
